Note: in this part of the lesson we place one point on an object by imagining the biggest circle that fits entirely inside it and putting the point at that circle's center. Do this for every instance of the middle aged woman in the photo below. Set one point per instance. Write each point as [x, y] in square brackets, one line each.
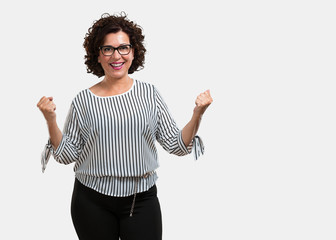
[110, 134]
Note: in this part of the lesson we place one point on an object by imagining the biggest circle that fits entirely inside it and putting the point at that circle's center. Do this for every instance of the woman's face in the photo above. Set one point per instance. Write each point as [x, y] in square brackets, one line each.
[116, 65]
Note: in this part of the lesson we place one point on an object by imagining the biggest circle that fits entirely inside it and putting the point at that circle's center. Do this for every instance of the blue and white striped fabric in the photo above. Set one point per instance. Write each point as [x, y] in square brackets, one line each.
[112, 139]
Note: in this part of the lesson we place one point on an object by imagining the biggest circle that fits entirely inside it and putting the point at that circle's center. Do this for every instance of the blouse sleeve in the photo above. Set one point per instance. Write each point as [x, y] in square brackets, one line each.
[170, 136]
[71, 144]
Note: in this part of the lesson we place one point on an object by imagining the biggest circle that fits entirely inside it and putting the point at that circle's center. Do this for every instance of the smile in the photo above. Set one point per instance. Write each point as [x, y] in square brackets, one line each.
[117, 66]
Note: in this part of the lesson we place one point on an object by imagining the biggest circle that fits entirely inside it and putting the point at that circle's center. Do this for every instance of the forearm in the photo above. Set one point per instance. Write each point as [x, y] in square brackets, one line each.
[54, 133]
[202, 103]
[190, 129]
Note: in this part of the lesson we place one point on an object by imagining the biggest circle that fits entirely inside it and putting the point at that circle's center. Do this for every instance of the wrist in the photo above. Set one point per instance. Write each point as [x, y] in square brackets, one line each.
[197, 114]
[51, 122]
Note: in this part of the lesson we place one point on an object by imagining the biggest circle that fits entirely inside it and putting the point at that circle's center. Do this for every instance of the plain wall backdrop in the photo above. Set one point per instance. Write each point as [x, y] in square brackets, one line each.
[269, 166]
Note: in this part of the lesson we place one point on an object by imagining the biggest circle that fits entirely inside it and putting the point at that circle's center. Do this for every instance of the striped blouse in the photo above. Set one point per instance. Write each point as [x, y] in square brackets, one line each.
[112, 139]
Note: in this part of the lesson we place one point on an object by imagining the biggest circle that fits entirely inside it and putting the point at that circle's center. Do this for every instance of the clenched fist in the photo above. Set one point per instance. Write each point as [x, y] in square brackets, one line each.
[47, 107]
[202, 102]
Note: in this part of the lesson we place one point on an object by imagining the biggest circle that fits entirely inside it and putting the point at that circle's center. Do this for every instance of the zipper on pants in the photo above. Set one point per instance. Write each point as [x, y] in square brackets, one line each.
[136, 189]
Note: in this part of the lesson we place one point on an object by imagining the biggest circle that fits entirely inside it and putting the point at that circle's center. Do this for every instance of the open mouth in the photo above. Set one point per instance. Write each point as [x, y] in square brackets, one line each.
[117, 66]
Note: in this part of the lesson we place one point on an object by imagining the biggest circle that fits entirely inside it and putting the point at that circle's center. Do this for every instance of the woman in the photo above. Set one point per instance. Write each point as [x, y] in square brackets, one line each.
[110, 134]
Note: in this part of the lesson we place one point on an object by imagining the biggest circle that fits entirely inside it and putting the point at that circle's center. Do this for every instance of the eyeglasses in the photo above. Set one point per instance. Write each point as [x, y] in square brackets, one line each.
[108, 50]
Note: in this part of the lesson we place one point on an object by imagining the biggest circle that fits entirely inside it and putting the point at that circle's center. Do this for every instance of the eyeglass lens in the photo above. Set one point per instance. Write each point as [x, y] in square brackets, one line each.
[109, 50]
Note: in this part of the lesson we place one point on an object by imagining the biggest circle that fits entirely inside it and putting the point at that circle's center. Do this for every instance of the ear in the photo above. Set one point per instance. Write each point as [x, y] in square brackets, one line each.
[132, 54]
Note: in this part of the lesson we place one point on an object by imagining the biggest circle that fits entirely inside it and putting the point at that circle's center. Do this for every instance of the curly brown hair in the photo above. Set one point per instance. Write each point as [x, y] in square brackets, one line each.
[95, 36]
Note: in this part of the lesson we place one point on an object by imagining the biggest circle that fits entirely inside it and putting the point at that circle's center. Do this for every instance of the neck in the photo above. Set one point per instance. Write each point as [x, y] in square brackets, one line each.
[116, 82]
[114, 86]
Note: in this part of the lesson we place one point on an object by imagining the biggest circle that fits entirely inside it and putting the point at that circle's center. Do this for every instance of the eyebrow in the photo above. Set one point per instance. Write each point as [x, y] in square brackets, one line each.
[122, 44]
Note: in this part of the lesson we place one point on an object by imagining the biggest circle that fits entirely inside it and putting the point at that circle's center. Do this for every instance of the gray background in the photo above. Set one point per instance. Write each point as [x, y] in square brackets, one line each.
[269, 168]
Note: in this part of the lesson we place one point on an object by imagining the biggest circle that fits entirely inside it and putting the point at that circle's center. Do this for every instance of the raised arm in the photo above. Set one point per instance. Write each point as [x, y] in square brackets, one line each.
[202, 103]
[174, 140]
[48, 107]
[65, 146]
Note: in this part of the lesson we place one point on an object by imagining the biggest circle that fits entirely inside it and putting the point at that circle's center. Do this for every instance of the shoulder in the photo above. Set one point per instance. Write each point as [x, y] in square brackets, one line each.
[81, 98]
[82, 94]
[142, 84]
[145, 87]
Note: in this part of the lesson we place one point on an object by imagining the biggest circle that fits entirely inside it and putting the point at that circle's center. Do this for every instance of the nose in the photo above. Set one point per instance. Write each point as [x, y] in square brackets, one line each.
[116, 54]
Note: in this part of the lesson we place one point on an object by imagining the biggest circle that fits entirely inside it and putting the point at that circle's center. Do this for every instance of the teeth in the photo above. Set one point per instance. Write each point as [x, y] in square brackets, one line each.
[116, 65]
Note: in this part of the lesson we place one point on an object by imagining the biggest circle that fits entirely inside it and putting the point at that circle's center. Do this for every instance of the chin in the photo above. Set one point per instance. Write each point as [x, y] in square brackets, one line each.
[117, 76]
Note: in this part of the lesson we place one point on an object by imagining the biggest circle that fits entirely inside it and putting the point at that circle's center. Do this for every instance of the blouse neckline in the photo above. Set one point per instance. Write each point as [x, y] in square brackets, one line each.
[117, 95]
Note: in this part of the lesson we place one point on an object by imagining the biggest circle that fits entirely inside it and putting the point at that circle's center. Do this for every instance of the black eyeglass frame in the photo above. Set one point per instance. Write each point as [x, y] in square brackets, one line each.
[115, 48]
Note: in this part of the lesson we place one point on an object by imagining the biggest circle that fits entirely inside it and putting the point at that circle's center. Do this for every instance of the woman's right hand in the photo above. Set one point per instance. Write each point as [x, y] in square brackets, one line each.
[47, 107]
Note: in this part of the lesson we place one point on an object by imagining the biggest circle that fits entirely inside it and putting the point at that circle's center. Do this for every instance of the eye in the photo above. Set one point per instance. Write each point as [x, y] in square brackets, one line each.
[107, 49]
[123, 47]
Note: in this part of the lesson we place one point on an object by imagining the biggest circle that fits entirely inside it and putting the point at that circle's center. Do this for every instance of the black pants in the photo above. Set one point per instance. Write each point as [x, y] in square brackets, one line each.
[100, 217]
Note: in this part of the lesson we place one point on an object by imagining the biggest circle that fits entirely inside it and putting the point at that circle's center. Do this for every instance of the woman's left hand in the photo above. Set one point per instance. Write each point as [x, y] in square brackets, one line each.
[202, 102]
